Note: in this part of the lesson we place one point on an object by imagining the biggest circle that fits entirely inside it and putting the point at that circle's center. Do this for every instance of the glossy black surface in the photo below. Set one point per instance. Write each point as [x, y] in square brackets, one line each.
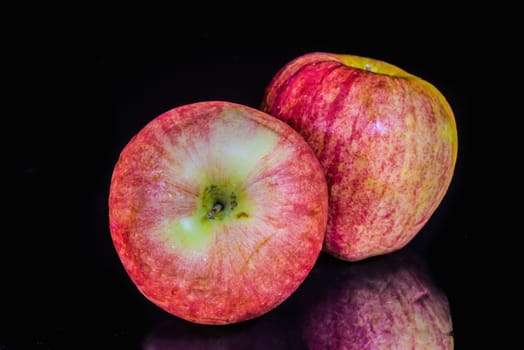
[76, 105]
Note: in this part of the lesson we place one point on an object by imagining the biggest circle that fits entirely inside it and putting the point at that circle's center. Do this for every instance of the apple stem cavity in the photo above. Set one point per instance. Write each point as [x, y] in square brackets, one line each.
[217, 208]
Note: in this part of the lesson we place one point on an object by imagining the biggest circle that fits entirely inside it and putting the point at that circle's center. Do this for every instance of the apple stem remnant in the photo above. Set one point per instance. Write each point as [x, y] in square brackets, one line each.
[217, 208]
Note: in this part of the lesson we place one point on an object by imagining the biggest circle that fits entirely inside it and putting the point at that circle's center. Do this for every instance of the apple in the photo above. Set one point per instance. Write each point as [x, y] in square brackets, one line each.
[217, 211]
[389, 302]
[387, 141]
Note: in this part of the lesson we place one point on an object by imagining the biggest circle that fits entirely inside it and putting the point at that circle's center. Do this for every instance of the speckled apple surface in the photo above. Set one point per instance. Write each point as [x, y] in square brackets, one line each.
[387, 141]
[217, 211]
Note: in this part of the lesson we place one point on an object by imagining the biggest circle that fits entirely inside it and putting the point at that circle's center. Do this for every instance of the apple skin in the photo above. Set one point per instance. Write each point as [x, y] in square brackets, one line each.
[253, 254]
[387, 141]
[389, 302]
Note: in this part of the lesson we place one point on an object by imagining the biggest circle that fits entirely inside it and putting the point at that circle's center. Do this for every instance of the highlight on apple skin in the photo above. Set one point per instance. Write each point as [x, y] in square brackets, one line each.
[387, 141]
[388, 302]
[217, 211]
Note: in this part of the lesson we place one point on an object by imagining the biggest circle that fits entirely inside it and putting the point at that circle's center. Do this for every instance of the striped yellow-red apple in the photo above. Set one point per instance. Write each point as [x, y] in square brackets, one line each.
[217, 211]
[387, 141]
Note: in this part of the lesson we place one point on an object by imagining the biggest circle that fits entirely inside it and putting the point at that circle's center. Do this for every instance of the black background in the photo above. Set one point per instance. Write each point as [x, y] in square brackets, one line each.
[75, 99]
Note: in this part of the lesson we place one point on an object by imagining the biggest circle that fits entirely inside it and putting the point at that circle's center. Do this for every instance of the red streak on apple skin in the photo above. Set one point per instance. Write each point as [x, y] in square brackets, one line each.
[253, 263]
[384, 142]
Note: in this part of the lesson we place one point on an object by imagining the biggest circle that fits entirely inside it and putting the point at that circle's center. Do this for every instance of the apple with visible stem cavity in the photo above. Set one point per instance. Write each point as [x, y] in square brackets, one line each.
[387, 141]
[217, 211]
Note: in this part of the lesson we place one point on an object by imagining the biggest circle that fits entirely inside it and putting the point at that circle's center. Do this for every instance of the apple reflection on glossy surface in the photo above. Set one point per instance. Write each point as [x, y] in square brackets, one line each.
[386, 302]
[390, 302]
[277, 330]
